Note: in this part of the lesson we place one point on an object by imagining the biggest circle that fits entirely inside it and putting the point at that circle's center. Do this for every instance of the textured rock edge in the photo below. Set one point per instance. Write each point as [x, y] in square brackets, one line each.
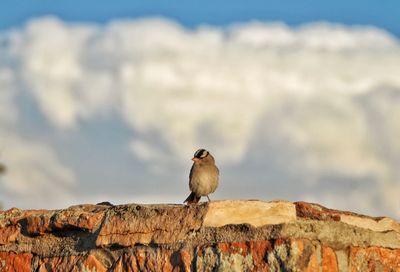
[224, 235]
[84, 227]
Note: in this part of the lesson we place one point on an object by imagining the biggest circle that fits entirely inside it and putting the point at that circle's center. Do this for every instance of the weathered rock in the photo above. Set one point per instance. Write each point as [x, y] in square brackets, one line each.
[81, 217]
[9, 234]
[144, 224]
[10, 262]
[329, 260]
[221, 235]
[374, 259]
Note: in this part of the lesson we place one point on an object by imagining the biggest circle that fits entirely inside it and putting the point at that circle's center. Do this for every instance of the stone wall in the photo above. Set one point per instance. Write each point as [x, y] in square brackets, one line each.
[219, 236]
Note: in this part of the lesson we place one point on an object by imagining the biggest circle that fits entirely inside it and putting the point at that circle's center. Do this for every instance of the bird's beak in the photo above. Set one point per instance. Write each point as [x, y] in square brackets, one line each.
[195, 159]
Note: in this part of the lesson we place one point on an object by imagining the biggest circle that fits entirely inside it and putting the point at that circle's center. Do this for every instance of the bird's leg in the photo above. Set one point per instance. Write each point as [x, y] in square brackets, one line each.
[208, 198]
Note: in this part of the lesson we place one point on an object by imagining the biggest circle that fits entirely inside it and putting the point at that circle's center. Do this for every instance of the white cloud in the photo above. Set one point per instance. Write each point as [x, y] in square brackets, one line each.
[52, 58]
[34, 175]
[8, 111]
[330, 92]
[314, 36]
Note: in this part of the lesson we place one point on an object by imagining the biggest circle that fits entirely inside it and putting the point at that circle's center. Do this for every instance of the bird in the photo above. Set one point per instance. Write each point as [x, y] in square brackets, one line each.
[203, 177]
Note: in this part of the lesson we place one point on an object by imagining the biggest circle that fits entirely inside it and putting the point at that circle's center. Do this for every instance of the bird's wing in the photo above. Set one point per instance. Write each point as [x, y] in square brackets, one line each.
[191, 172]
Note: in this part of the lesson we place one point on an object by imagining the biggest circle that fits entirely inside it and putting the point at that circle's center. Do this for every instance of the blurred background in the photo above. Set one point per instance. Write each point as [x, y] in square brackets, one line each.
[108, 101]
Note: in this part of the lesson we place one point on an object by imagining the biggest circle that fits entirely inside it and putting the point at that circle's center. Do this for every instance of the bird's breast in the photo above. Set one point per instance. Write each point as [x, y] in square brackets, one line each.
[204, 180]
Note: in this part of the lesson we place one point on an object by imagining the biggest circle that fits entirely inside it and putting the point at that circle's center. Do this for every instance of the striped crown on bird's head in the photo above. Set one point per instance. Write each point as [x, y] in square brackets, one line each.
[201, 153]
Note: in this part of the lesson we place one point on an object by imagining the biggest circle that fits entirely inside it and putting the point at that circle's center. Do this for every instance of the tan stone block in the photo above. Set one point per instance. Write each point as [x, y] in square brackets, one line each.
[381, 225]
[254, 212]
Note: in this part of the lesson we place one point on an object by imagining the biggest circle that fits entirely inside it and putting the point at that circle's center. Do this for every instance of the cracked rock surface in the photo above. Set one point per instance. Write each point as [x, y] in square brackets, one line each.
[230, 235]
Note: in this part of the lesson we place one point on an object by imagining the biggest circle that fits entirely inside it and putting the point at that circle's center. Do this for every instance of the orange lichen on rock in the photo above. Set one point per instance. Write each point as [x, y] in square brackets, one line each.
[329, 260]
[13, 262]
[374, 259]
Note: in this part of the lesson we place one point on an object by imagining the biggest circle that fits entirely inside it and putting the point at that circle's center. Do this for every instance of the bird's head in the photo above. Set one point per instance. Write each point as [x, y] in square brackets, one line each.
[201, 155]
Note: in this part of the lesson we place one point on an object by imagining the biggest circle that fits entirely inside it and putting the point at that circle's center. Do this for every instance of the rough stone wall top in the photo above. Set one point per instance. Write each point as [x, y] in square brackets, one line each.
[125, 225]
[217, 236]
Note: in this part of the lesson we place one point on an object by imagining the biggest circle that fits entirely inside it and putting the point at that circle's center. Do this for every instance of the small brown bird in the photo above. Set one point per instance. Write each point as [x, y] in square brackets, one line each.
[203, 177]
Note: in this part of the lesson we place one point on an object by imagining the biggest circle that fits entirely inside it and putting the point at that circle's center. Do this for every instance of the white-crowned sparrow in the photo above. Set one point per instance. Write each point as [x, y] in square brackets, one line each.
[203, 178]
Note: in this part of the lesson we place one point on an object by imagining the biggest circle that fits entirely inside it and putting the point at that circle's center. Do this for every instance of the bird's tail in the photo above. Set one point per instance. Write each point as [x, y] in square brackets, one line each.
[192, 198]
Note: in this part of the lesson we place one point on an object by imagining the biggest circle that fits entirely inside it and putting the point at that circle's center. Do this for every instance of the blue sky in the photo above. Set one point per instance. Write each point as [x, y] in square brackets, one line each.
[383, 14]
[108, 101]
